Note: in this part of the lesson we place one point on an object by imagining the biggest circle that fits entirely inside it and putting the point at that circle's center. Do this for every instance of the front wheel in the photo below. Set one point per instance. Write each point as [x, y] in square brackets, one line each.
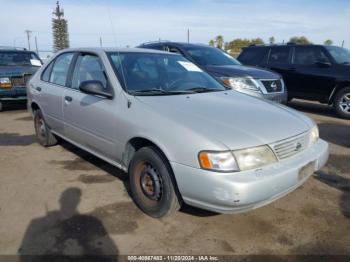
[151, 183]
[43, 133]
[342, 103]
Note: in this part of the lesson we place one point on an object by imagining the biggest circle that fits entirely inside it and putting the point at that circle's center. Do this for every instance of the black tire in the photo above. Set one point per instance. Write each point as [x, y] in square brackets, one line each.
[1, 106]
[152, 183]
[340, 104]
[43, 133]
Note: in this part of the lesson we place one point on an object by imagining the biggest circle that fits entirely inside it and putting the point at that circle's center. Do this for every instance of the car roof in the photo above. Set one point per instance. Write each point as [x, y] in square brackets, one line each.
[281, 45]
[179, 44]
[112, 49]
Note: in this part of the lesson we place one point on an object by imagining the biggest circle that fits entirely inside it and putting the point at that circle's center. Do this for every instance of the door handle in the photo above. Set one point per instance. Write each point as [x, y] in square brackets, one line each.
[68, 98]
[38, 88]
[291, 69]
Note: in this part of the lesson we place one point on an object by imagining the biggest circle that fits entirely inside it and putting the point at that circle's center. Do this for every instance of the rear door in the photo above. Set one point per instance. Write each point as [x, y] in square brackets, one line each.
[90, 119]
[50, 90]
[312, 79]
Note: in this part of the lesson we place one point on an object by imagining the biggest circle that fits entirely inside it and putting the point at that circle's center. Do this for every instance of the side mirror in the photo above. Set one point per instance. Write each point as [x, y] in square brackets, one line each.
[322, 63]
[95, 87]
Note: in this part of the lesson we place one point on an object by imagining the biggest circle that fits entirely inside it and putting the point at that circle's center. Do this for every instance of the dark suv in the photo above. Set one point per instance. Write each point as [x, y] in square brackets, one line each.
[245, 79]
[16, 68]
[313, 72]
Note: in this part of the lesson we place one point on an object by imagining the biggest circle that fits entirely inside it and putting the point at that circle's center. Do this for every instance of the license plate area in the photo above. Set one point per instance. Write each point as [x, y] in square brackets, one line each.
[306, 170]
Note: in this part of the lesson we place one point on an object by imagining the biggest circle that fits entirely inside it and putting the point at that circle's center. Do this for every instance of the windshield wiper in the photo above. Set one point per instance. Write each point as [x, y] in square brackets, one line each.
[159, 92]
[201, 89]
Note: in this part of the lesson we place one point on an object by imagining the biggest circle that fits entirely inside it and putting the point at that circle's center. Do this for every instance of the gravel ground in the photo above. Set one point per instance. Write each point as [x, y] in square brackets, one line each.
[62, 200]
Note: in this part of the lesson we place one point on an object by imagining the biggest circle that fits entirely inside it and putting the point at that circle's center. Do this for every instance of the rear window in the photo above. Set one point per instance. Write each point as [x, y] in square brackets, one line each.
[252, 56]
[279, 55]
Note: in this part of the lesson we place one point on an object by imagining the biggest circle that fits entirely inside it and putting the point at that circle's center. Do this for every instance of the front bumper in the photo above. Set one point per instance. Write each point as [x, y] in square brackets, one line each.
[14, 93]
[280, 97]
[244, 191]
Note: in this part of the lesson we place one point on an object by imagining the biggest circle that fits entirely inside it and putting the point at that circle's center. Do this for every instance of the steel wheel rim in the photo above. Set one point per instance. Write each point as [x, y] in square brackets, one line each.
[148, 184]
[344, 103]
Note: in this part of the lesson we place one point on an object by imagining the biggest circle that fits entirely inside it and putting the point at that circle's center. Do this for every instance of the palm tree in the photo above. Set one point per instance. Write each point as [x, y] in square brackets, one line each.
[211, 42]
[219, 41]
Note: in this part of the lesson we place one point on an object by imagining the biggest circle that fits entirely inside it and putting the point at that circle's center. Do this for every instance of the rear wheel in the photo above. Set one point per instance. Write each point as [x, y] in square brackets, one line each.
[341, 103]
[151, 183]
[1, 107]
[43, 133]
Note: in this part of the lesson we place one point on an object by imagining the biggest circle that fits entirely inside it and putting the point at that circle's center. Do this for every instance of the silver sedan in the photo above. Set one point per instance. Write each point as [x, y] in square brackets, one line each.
[179, 134]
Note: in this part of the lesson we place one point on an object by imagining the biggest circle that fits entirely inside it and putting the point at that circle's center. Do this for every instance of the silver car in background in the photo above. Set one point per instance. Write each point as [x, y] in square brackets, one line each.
[179, 134]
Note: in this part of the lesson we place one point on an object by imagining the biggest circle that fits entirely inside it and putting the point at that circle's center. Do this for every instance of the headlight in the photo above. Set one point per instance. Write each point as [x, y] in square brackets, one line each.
[238, 160]
[5, 82]
[241, 84]
[218, 161]
[254, 157]
[314, 135]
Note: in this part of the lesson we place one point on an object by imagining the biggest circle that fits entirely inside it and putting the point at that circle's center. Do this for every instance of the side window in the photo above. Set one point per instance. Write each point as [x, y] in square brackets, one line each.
[309, 55]
[88, 67]
[60, 69]
[279, 55]
[46, 74]
[174, 50]
[253, 56]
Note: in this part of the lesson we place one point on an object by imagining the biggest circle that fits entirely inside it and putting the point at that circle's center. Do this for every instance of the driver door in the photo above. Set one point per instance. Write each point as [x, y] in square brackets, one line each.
[90, 119]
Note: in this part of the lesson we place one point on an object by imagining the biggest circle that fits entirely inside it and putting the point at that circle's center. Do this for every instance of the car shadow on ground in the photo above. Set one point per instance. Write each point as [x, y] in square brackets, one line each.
[15, 139]
[13, 106]
[335, 133]
[65, 233]
[340, 183]
[312, 107]
[121, 175]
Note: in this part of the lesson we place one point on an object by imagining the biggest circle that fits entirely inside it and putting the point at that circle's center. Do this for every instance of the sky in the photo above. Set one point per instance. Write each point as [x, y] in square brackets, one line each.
[131, 22]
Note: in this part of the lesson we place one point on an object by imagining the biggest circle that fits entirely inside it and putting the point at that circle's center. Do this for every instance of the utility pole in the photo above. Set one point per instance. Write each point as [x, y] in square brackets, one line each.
[29, 33]
[36, 45]
[188, 35]
[100, 41]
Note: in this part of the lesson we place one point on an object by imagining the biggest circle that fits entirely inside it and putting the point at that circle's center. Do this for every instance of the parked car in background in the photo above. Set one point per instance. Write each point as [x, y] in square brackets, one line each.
[313, 72]
[179, 133]
[16, 68]
[246, 79]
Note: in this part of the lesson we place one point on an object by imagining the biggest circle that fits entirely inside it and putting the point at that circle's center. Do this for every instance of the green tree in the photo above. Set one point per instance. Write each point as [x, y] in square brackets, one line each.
[219, 40]
[328, 42]
[236, 45]
[256, 41]
[272, 40]
[301, 40]
[59, 29]
[212, 42]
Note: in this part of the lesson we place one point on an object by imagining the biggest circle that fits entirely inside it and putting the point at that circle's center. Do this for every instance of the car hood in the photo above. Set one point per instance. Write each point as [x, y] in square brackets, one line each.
[234, 119]
[17, 70]
[241, 71]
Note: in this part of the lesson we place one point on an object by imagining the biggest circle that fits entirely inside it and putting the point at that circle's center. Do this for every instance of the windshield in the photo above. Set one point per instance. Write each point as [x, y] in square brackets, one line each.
[339, 54]
[13, 58]
[160, 74]
[207, 56]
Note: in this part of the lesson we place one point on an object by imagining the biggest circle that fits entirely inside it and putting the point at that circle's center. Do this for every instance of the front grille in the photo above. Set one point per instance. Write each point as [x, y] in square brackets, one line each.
[291, 146]
[272, 86]
[20, 80]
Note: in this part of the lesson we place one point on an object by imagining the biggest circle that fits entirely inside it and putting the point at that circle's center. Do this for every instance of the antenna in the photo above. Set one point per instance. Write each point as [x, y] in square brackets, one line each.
[115, 42]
